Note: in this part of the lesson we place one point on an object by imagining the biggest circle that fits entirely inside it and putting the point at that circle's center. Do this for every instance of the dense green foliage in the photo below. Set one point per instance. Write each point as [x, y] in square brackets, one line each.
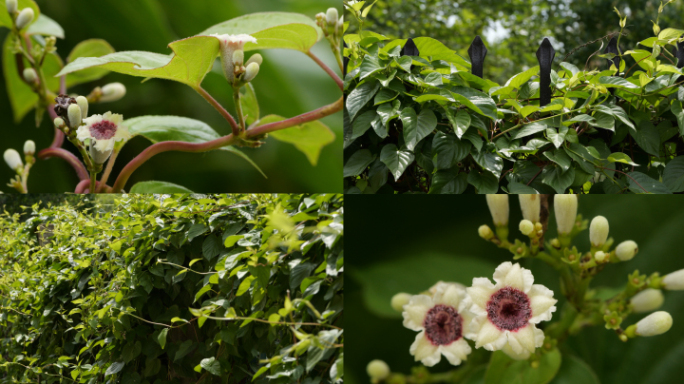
[175, 289]
[426, 124]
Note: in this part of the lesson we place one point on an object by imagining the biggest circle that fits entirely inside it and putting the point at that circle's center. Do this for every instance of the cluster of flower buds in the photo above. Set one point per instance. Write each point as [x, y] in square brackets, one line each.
[22, 18]
[107, 94]
[13, 160]
[331, 23]
[238, 72]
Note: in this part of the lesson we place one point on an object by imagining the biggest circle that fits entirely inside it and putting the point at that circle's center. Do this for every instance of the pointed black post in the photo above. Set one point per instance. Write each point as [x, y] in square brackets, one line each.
[410, 48]
[545, 55]
[345, 60]
[477, 53]
[680, 58]
[613, 48]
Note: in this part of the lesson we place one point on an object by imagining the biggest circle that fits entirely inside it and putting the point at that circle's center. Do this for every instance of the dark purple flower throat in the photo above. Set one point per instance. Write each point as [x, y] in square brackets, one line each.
[443, 325]
[509, 309]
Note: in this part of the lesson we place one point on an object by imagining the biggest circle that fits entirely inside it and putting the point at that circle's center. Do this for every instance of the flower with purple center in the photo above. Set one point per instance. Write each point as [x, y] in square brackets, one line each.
[440, 319]
[103, 131]
[506, 313]
[228, 45]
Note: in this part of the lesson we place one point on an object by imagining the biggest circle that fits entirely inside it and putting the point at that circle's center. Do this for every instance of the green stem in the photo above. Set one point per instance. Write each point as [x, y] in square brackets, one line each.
[93, 181]
[238, 108]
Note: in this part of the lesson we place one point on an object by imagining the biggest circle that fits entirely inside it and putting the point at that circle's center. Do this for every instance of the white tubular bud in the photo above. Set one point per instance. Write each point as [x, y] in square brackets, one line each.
[654, 324]
[378, 370]
[598, 231]
[530, 206]
[74, 113]
[674, 281]
[251, 72]
[113, 92]
[600, 256]
[331, 16]
[256, 58]
[526, 227]
[97, 156]
[29, 148]
[11, 6]
[485, 232]
[647, 300]
[399, 300]
[25, 18]
[626, 250]
[565, 207]
[498, 206]
[59, 122]
[30, 75]
[83, 104]
[13, 159]
[238, 58]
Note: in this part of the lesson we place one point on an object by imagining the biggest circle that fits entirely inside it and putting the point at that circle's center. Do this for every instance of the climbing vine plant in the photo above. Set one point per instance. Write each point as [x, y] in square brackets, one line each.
[174, 289]
[418, 118]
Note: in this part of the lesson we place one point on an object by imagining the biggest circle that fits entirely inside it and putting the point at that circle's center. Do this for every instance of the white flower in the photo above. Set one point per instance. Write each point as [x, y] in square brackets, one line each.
[441, 286]
[647, 300]
[399, 300]
[598, 231]
[13, 159]
[230, 44]
[565, 207]
[626, 250]
[530, 206]
[674, 281]
[498, 206]
[485, 232]
[103, 131]
[506, 313]
[654, 324]
[526, 227]
[378, 370]
[441, 320]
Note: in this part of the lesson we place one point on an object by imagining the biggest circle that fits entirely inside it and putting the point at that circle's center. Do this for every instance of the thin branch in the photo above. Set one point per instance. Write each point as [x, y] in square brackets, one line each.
[327, 70]
[108, 170]
[270, 322]
[635, 182]
[68, 157]
[226, 115]
[182, 146]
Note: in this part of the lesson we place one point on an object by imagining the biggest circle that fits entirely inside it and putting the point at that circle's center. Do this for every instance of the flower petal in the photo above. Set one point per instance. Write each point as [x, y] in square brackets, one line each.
[104, 145]
[490, 337]
[456, 352]
[450, 295]
[480, 292]
[542, 302]
[424, 351]
[512, 275]
[525, 338]
[415, 310]
[515, 356]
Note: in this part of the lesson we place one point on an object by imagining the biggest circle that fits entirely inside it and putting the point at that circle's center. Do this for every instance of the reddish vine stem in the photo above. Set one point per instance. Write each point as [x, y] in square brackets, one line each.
[68, 157]
[182, 146]
[635, 182]
[59, 135]
[327, 70]
[220, 109]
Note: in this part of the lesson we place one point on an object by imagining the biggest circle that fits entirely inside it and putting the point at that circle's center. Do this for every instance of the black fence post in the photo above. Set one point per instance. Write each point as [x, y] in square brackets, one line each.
[680, 54]
[477, 53]
[545, 55]
[345, 61]
[410, 48]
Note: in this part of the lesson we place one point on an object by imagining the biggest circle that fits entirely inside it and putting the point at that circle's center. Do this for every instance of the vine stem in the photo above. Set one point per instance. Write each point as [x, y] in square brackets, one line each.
[327, 70]
[93, 182]
[238, 108]
[219, 108]
[108, 170]
[66, 156]
[182, 146]
[636, 182]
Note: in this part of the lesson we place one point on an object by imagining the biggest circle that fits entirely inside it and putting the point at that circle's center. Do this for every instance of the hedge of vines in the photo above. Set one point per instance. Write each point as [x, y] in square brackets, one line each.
[425, 124]
[174, 289]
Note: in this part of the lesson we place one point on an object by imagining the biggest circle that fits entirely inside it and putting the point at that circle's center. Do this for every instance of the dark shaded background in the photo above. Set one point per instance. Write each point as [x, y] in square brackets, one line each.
[406, 243]
[289, 84]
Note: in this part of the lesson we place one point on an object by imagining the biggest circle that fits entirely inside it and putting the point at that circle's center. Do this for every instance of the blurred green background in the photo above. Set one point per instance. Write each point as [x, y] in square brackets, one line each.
[289, 84]
[406, 243]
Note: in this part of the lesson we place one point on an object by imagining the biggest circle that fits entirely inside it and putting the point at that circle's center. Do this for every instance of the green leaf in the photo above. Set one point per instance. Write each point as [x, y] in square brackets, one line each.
[361, 95]
[249, 103]
[484, 183]
[262, 369]
[196, 230]
[476, 101]
[460, 122]
[529, 129]
[428, 46]
[504, 370]
[158, 187]
[162, 337]
[175, 128]
[557, 178]
[416, 128]
[575, 370]
[245, 285]
[211, 247]
[670, 33]
[184, 349]
[619, 157]
[523, 77]
[44, 25]
[362, 123]
[448, 150]
[231, 240]
[528, 109]
[570, 68]
[557, 137]
[88, 48]
[131, 351]
[492, 162]
[369, 66]
[648, 137]
[114, 368]
[309, 138]
[616, 82]
[559, 157]
[641, 183]
[679, 114]
[449, 181]
[5, 20]
[211, 365]
[673, 176]
[396, 160]
[603, 120]
[272, 30]
[521, 189]
[358, 162]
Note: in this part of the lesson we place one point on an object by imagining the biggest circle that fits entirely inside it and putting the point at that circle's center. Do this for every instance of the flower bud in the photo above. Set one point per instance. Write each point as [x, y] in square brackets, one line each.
[331, 16]
[485, 232]
[565, 207]
[598, 231]
[626, 250]
[647, 300]
[256, 58]
[399, 300]
[251, 72]
[83, 104]
[526, 227]
[97, 156]
[11, 6]
[320, 16]
[30, 75]
[674, 281]
[378, 370]
[59, 122]
[654, 324]
[74, 113]
[530, 206]
[112, 92]
[29, 148]
[25, 18]
[13, 159]
[498, 206]
[238, 57]
[600, 256]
